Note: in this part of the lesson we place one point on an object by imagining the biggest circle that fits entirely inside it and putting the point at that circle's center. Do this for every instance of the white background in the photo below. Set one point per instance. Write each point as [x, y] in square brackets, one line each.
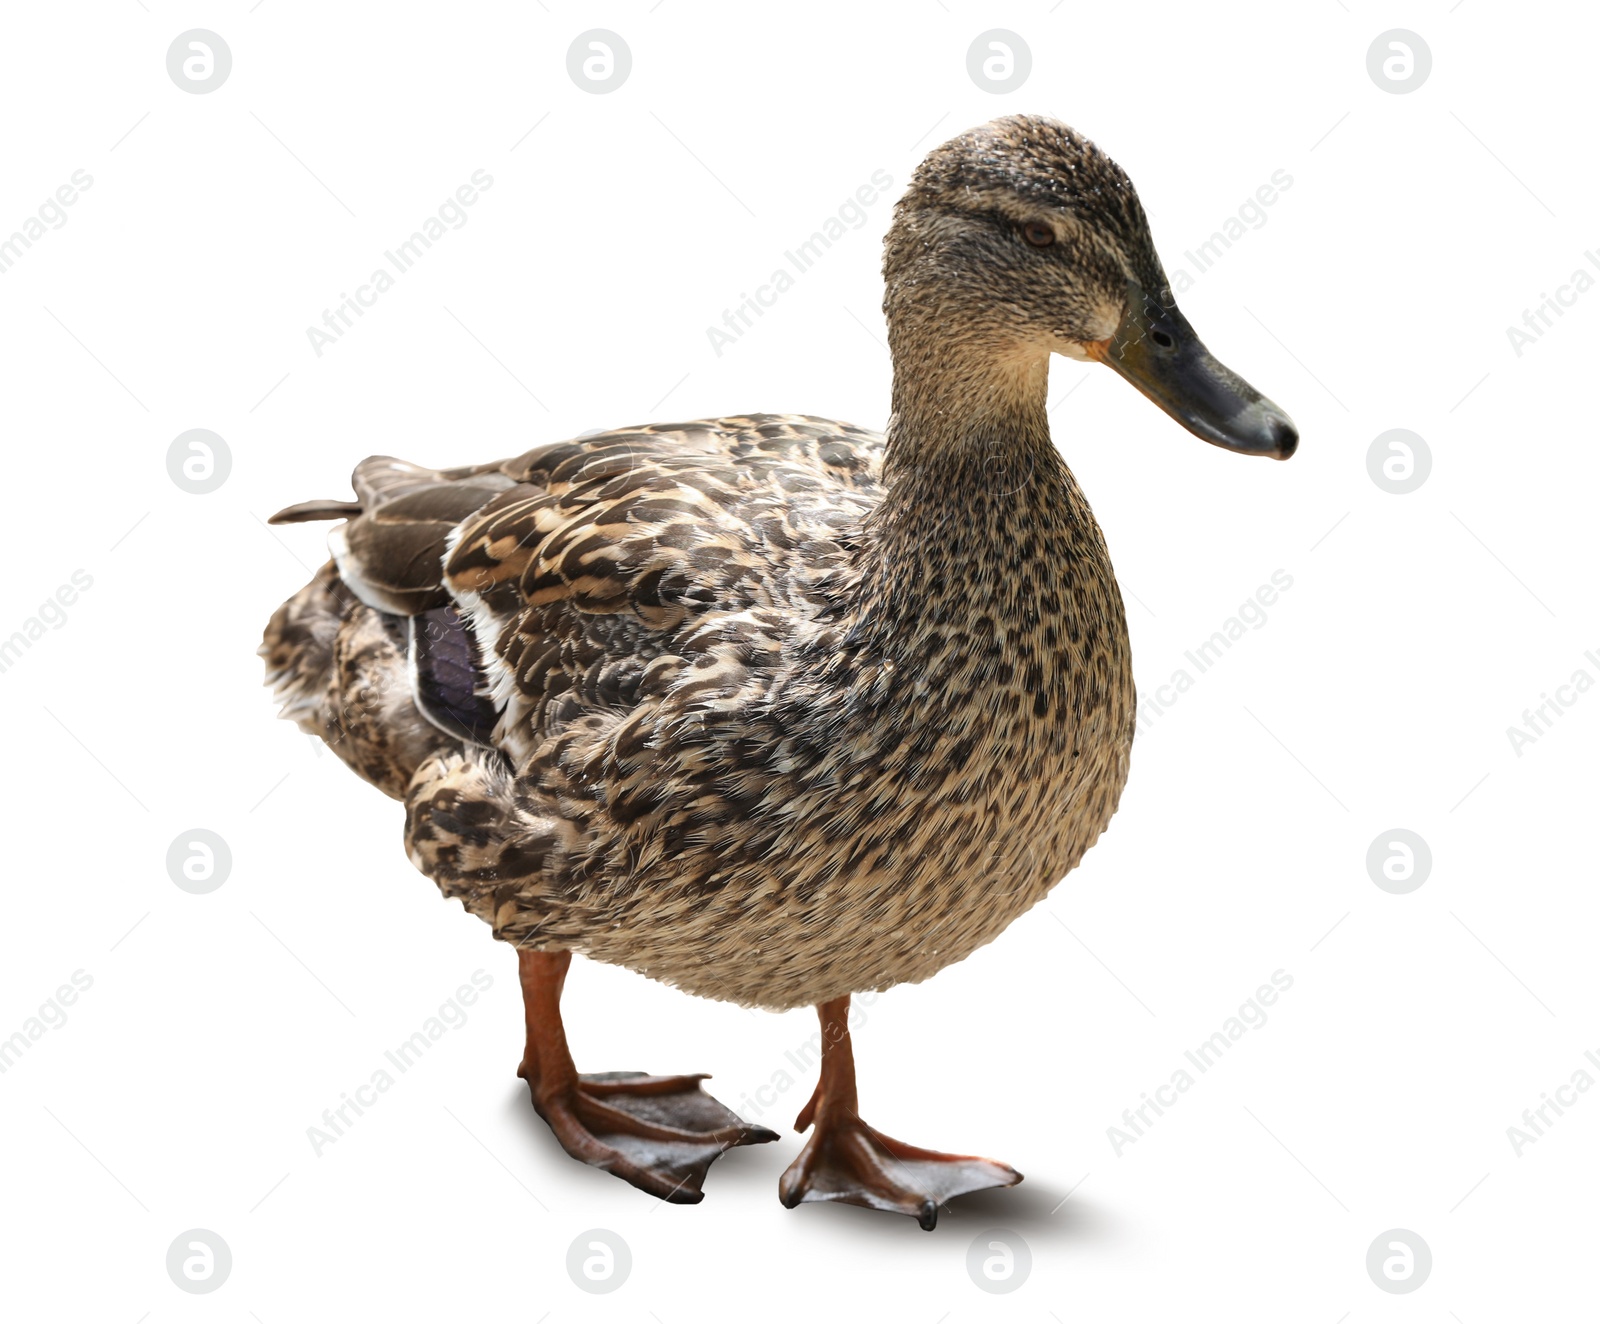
[1377, 695]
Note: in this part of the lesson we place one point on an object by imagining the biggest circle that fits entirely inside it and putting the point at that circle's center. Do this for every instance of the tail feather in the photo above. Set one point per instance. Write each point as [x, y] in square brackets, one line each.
[305, 511]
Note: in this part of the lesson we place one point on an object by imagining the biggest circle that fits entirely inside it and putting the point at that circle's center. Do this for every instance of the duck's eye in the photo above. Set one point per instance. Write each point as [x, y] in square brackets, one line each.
[1038, 234]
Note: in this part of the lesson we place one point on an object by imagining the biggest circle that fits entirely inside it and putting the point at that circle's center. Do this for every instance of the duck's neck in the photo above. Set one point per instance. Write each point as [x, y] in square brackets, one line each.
[981, 519]
[952, 403]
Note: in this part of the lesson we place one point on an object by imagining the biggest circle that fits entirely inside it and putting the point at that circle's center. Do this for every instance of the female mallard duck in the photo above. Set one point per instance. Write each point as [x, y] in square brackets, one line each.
[773, 708]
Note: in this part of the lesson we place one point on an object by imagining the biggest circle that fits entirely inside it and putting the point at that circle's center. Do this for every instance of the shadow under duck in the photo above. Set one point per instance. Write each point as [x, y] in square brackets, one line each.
[773, 708]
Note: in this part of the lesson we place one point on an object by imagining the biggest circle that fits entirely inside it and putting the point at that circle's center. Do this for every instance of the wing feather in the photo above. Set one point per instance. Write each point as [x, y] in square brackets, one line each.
[572, 578]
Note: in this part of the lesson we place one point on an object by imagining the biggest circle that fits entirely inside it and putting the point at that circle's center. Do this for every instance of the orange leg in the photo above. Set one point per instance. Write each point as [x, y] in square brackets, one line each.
[659, 1133]
[847, 1160]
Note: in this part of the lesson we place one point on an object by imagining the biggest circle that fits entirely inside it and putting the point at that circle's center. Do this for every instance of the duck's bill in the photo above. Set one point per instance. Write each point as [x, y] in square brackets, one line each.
[1157, 350]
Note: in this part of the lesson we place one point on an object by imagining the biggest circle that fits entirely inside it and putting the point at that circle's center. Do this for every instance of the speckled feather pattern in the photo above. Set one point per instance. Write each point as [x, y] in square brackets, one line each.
[785, 711]
[763, 747]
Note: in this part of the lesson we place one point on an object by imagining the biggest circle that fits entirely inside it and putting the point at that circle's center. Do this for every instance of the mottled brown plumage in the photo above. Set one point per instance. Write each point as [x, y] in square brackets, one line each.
[772, 708]
[757, 726]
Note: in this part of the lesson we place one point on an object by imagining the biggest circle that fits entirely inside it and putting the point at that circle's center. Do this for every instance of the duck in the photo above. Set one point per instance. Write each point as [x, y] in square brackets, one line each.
[771, 708]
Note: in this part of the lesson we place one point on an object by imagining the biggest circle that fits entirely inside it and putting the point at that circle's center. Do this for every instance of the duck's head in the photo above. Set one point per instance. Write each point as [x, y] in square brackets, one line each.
[1021, 237]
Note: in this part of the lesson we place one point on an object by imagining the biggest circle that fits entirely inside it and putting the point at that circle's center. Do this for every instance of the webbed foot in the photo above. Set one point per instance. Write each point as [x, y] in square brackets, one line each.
[849, 1161]
[659, 1133]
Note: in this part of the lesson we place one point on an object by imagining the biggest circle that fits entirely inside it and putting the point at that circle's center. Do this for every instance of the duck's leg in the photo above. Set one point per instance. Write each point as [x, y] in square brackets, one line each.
[845, 1159]
[659, 1133]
